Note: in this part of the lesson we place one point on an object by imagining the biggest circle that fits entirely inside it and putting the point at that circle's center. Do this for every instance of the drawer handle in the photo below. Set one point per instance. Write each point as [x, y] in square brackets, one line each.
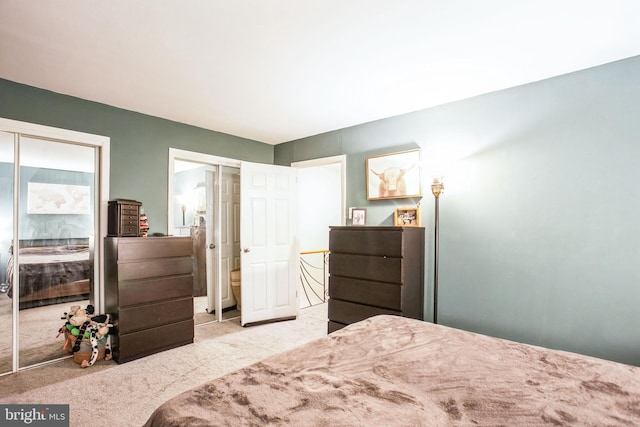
[246, 250]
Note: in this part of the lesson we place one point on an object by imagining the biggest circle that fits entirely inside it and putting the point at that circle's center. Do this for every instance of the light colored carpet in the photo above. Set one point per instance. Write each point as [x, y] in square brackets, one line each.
[202, 314]
[39, 327]
[108, 394]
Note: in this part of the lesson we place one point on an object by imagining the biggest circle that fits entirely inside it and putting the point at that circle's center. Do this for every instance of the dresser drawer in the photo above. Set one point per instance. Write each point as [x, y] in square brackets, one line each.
[133, 292]
[129, 230]
[129, 220]
[354, 240]
[128, 210]
[154, 247]
[381, 269]
[154, 268]
[379, 294]
[348, 312]
[152, 315]
[143, 343]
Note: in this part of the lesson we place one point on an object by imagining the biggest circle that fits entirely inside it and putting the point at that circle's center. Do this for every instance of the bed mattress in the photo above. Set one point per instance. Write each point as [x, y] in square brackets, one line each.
[394, 371]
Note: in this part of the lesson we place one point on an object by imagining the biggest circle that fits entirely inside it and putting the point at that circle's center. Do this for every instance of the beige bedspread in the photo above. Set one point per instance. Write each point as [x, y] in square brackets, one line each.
[393, 371]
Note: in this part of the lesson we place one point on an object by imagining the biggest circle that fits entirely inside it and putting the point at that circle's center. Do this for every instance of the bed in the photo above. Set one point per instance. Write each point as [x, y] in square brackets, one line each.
[395, 371]
[51, 274]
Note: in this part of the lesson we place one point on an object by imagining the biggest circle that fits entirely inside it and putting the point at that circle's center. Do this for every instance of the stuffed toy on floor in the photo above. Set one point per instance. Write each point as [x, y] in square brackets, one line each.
[81, 325]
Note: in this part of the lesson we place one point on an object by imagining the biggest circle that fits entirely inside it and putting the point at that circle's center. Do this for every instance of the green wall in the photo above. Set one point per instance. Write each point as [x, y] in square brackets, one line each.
[539, 230]
[539, 222]
[139, 143]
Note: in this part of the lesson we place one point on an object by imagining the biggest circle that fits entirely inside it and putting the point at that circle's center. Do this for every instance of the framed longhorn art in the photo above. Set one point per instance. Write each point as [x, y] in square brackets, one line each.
[394, 176]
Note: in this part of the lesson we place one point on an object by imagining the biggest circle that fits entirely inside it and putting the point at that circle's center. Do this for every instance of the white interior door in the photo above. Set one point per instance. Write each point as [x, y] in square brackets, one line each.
[269, 242]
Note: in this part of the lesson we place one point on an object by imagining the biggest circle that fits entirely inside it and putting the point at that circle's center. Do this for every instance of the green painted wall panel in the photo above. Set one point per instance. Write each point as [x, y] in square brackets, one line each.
[539, 230]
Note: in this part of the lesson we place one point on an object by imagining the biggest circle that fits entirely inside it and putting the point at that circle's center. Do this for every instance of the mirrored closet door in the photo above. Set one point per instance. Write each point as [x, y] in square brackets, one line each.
[206, 206]
[6, 231]
[56, 230]
[51, 200]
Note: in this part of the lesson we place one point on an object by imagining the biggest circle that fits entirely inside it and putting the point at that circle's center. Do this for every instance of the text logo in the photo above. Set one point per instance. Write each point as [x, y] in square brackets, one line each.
[34, 415]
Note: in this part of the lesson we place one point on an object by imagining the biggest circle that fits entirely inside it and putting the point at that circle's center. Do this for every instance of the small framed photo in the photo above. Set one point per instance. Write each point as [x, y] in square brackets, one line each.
[407, 217]
[393, 176]
[359, 216]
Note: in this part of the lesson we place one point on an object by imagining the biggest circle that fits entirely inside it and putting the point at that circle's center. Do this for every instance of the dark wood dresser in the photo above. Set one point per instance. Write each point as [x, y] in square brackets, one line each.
[149, 292]
[123, 218]
[375, 270]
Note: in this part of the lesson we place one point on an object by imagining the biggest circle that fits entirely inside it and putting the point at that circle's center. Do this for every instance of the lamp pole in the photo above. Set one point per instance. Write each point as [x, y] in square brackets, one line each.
[436, 188]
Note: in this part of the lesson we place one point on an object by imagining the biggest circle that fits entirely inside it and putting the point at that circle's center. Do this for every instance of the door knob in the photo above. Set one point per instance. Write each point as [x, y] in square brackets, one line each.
[212, 246]
[246, 250]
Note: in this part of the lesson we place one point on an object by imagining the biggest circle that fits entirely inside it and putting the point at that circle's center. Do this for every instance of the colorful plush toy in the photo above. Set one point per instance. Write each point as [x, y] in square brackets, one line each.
[84, 327]
[78, 316]
[97, 332]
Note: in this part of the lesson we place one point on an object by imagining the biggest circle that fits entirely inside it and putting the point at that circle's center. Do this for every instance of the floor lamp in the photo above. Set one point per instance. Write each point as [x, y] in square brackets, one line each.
[436, 188]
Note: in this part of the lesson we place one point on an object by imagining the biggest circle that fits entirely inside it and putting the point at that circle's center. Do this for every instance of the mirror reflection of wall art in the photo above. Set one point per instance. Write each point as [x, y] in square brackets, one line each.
[44, 198]
[394, 176]
[359, 217]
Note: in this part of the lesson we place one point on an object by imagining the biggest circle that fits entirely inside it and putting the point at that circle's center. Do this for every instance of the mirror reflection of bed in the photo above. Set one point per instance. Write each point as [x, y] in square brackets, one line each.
[51, 271]
[53, 275]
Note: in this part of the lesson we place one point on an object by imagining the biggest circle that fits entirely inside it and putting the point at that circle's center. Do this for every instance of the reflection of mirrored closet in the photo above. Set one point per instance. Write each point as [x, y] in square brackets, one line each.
[199, 239]
[206, 207]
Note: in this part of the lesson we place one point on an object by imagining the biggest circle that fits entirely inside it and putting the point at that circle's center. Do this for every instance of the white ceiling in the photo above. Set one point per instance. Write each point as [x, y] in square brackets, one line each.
[278, 70]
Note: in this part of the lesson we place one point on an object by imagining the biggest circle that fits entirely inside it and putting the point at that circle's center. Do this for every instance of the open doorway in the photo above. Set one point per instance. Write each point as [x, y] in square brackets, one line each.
[321, 188]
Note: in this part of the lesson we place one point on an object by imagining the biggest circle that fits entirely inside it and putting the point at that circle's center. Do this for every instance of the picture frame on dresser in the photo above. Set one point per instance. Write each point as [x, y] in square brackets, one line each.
[407, 217]
[358, 217]
[393, 176]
